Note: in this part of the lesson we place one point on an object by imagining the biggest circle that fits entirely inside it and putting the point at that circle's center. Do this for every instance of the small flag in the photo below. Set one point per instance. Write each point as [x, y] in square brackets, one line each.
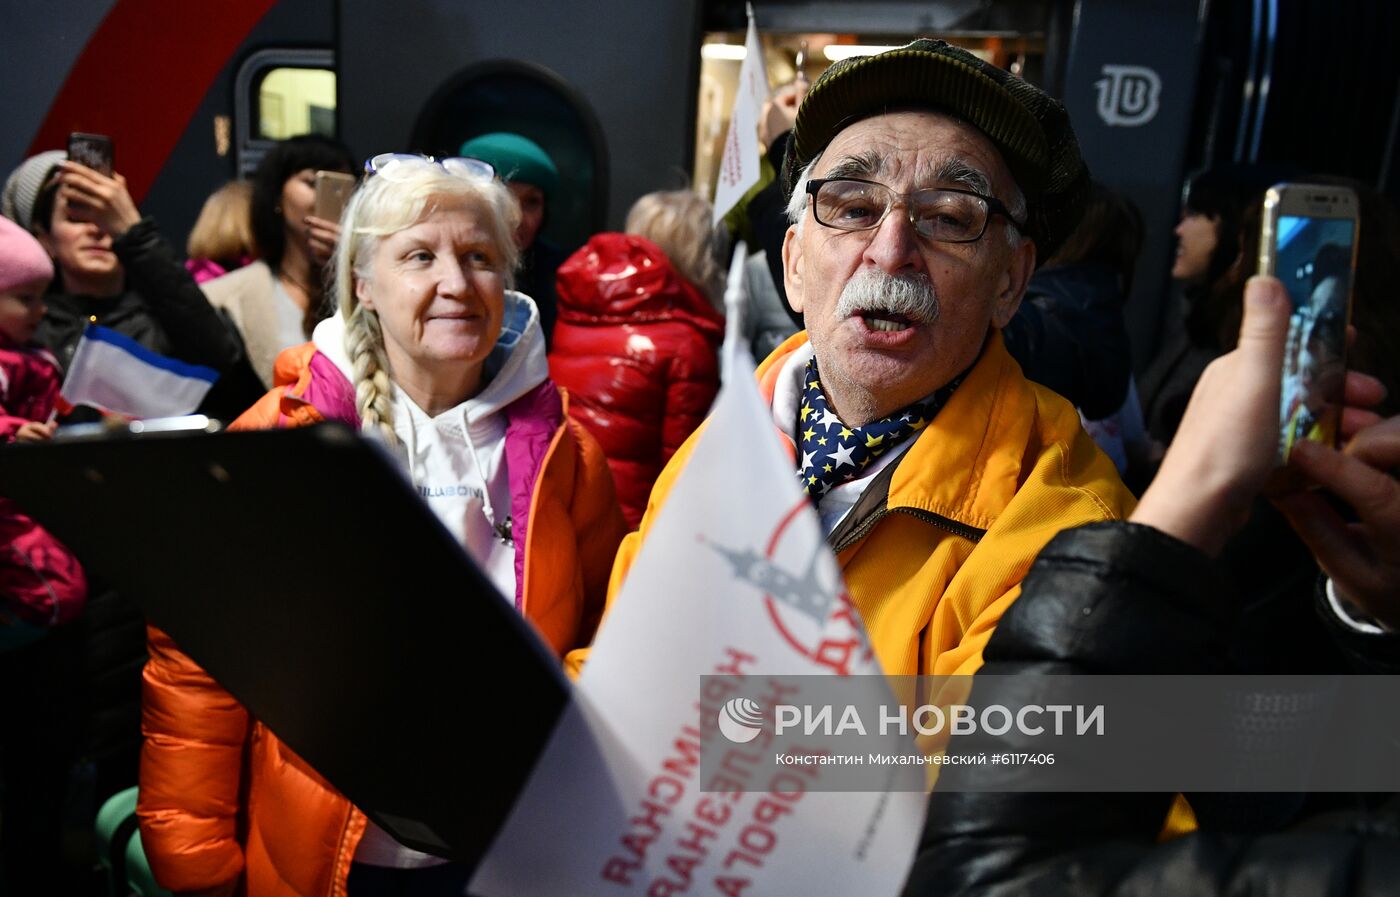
[116, 374]
[739, 168]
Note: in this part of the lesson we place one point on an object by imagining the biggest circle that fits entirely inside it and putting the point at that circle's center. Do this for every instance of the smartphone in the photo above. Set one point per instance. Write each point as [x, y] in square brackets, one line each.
[92, 150]
[333, 189]
[1309, 242]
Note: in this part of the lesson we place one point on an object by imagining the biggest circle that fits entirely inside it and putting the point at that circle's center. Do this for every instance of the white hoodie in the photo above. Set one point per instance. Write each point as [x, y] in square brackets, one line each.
[456, 460]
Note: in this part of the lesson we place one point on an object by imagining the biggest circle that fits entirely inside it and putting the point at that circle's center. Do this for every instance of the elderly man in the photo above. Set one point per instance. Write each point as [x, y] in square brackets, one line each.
[923, 184]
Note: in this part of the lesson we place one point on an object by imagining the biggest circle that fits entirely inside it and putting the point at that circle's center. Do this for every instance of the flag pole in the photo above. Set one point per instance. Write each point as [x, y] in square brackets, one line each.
[736, 300]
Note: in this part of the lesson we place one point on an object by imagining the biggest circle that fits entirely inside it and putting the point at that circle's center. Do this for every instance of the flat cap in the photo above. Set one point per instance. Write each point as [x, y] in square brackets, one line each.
[1029, 128]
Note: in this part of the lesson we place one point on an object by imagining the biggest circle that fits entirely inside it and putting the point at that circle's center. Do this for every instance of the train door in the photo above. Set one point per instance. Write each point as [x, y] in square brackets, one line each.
[608, 85]
[532, 101]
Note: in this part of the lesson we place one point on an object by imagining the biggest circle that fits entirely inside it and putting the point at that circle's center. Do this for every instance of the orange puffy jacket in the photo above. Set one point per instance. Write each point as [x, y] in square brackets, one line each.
[220, 794]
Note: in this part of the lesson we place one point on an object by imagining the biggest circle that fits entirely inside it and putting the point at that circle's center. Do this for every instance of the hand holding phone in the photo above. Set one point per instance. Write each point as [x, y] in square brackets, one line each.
[92, 150]
[333, 189]
[101, 199]
[1224, 450]
[1309, 243]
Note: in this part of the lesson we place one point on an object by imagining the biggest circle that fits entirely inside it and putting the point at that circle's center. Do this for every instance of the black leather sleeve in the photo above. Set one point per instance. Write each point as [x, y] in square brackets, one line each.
[1358, 858]
[1123, 598]
[1377, 653]
[1115, 597]
[198, 334]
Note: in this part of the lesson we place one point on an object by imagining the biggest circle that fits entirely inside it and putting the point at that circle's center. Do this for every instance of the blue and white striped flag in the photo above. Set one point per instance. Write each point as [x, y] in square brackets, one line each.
[116, 374]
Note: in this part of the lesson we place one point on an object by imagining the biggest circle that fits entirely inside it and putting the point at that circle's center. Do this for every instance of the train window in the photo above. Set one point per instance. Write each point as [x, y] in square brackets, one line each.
[722, 53]
[295, 101]
[280, 93]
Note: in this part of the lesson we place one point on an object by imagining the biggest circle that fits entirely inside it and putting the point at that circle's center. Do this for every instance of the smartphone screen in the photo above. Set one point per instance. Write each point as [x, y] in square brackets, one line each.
[1313, 258]
[92, 150]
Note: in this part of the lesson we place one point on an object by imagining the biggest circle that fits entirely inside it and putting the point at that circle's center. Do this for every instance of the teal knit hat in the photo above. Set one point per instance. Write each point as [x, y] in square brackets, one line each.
[515, 158]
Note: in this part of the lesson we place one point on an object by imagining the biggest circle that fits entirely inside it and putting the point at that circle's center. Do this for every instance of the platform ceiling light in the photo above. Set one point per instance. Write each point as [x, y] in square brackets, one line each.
[838, 52]
[723, 51]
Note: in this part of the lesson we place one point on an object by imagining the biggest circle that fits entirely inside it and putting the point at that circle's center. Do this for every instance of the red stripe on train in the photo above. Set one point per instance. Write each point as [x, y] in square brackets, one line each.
[143, 74]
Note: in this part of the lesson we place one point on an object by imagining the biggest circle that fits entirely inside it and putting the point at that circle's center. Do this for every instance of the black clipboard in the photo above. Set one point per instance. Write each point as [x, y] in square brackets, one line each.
[301, 570]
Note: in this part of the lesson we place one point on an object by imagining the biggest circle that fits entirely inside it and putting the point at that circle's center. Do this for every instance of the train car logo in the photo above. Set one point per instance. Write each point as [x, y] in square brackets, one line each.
[1129, 95]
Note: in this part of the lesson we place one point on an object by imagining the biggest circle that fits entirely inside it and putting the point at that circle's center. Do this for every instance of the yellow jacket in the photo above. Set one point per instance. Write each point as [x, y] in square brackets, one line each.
[936, 548]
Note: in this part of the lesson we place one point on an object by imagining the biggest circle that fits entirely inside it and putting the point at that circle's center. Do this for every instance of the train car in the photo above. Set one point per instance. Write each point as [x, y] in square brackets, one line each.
[629, 100]
[630, 97]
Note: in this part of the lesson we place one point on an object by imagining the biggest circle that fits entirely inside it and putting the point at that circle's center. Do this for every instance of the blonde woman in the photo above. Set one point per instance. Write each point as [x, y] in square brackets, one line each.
[432, 352]
[678, 221]
[222, 237]
[637, 338]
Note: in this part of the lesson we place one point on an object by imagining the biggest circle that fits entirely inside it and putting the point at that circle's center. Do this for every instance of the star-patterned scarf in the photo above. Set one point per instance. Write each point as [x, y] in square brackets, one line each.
[833, 453]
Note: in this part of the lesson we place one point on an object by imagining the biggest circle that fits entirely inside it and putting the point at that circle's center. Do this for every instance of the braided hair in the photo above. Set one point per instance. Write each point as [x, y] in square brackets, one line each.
[364, 343]
[382, 206]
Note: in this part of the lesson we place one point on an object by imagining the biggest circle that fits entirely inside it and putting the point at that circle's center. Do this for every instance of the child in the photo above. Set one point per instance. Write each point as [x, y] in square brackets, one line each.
[41, 583]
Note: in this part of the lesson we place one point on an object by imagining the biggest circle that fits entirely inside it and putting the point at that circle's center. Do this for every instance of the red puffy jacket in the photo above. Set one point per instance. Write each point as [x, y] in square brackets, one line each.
[41, 581]
[636, 347]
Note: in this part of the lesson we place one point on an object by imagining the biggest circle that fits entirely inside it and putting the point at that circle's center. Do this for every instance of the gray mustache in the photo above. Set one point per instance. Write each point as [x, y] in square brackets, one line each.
[871, 289]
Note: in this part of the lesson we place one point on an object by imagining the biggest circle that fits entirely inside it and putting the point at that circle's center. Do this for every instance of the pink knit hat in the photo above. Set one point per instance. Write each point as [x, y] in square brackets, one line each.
[22, 259]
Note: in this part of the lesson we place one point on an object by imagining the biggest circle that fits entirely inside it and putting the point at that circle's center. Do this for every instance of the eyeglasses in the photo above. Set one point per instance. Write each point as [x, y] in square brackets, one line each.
[939, 214]
[387, 163]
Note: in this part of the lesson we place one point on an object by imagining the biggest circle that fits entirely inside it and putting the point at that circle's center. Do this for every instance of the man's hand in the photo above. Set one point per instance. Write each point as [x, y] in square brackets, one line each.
[1362, 558]
[92, 196]
[780, 112]
[35, 431]
[322, 236]
[1228, 439]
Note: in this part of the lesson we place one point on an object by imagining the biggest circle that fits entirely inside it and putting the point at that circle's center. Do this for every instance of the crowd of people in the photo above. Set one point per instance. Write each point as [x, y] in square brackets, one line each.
[952, 378]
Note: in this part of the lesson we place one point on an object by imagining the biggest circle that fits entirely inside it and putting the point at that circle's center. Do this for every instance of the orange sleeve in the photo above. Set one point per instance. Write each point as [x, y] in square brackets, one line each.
[194, 731]
[191, 771]
[598, 522]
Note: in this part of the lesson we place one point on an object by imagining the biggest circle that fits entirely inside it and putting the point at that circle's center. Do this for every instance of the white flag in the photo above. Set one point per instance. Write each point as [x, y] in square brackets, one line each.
[734, 579]
[115, 373]
[739, 168]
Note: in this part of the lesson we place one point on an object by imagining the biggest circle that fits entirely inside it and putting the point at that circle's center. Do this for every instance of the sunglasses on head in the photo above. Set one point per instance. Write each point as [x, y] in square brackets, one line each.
[386, 164]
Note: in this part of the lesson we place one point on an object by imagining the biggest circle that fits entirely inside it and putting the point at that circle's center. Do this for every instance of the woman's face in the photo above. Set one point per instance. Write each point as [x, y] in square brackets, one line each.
[298, 201]
[531, 199]
[1196, 236]
[438, 287]
[81, 250]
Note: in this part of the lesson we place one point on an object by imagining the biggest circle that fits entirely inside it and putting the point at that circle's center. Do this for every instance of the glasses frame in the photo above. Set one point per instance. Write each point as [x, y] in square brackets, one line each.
[994, 207]
[466, 166]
